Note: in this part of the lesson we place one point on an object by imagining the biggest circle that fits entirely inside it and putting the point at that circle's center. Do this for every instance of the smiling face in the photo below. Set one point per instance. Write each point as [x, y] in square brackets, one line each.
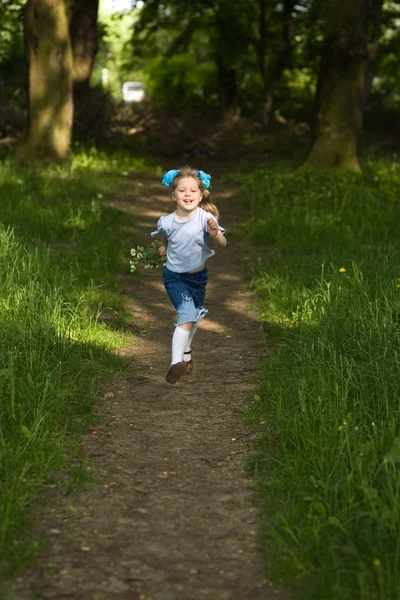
[187, 195]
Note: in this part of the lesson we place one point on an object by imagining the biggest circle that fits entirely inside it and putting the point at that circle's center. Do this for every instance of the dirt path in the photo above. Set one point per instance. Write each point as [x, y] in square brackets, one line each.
[171, 515]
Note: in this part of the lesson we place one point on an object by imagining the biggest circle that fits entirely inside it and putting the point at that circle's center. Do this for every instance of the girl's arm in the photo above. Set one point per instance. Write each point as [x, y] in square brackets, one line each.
[162, 251]
[216, 234]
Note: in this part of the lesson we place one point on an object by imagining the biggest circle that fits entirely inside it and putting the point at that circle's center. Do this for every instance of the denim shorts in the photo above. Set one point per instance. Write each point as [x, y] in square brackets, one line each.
[187, 292]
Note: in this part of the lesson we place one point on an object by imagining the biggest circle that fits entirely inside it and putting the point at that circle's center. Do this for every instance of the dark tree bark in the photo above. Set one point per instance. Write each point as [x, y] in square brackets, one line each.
[84, 39]
[227, 87]
[283, 56]
[226, 72]
[50, 81]
[271, 73]
[349, 49]
[261, 43]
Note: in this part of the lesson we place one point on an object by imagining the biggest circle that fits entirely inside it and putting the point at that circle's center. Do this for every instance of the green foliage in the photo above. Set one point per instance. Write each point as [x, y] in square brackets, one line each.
[11, 27]
[113, 55]
[12, 59]
[327, 407]
[60, 250]
[179, 83]
[386, 88]
[268, 47]
[231, 36]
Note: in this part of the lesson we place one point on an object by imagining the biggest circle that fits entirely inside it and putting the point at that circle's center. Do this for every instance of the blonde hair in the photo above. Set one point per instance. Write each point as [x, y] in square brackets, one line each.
[205, 203]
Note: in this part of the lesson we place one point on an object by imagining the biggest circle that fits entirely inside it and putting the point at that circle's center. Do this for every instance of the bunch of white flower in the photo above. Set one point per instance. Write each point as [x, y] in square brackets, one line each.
[147, 256]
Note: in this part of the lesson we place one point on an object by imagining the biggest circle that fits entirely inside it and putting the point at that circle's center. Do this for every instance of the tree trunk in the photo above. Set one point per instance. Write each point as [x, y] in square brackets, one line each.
[84, 39]
[271, 74]
[281, 58]
[227, 87]
[342, 86]
[226, 71]
[50, 81]
[261, 43]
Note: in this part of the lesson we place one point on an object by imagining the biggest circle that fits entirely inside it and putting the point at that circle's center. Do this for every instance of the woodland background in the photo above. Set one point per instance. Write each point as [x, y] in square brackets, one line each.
[321, 70]
[300, 102]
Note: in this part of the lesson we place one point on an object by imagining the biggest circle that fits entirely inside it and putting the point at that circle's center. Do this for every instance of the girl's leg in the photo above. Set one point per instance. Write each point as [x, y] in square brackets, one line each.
[187, 355]
[179, 341]
[198, 285]
[186, 292]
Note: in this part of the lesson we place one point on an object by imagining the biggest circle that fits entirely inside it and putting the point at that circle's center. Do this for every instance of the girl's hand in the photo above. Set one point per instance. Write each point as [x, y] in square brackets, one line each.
[212, 228]
[162, 251]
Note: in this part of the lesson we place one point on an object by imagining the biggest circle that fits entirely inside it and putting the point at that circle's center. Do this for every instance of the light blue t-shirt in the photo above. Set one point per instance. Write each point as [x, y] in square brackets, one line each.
[187, 248]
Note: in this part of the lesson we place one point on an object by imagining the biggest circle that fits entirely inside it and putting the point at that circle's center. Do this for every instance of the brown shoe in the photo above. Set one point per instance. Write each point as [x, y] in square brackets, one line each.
[189, 364]
[175, 372]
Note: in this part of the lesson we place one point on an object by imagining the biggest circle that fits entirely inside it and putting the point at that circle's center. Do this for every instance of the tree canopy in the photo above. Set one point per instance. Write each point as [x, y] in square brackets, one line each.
[213, 58]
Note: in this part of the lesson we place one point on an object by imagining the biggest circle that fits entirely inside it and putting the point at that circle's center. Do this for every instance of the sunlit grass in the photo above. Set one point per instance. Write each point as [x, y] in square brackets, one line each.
[61, 248]
[328, 404]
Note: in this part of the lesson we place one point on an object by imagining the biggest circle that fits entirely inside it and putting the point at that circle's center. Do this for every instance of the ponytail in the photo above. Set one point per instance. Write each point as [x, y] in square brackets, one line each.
[207, 205]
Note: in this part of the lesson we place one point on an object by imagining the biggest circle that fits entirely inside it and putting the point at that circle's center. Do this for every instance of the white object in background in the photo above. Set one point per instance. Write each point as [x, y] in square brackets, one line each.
[133, 91]
[104, 76]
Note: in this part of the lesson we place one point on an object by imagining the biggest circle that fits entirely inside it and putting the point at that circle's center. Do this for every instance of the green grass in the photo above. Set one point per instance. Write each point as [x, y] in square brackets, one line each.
[328, 457]
[61, 248]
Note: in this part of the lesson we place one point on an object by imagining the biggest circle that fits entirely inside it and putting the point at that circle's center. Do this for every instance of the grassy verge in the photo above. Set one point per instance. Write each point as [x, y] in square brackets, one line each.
[328, 461]
[60, 247]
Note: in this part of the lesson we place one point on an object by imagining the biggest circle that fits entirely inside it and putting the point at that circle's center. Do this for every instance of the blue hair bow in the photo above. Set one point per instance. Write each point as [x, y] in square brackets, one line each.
[168, 178]
[205, 179]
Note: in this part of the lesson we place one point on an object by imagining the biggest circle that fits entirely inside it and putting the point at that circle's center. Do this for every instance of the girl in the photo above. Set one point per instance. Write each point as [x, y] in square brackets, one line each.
[185, 234]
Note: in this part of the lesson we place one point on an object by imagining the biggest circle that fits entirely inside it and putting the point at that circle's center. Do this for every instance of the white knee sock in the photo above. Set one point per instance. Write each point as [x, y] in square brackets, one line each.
[179, 341]
[188, 354]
